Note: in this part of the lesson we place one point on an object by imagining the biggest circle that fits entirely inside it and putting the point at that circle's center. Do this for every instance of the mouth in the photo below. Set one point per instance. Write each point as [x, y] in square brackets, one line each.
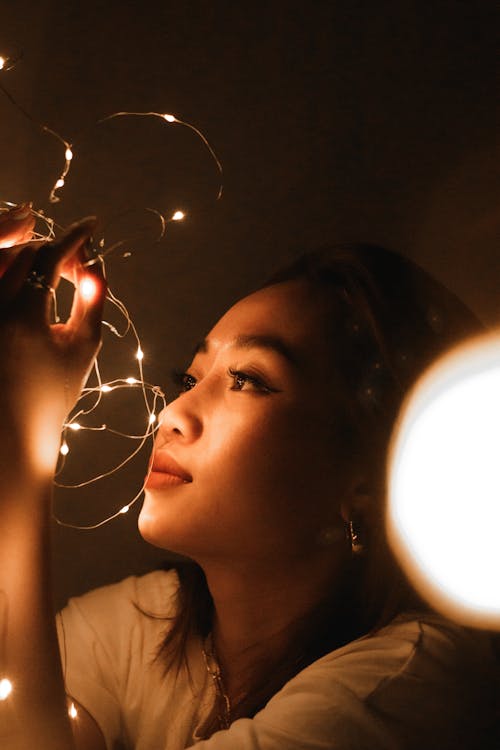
[165, 471]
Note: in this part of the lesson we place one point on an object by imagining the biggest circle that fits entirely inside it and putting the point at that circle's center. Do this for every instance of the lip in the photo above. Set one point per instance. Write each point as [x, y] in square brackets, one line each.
[165, 471]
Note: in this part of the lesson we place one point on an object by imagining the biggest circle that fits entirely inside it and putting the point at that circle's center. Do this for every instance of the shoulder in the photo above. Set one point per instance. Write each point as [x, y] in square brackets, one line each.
[112, 614]
[154, 592]
[415, 651]
[109, 640]
[418, 682]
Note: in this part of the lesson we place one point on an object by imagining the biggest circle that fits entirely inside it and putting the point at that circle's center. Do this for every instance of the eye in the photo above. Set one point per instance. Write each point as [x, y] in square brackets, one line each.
[244, 381]
[183, 381]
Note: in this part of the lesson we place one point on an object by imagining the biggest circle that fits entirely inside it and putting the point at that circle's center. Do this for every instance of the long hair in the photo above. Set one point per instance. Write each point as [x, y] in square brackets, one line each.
[386, 321]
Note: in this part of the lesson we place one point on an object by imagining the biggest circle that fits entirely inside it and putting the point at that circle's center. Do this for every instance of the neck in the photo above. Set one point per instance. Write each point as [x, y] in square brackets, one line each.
[260, 610]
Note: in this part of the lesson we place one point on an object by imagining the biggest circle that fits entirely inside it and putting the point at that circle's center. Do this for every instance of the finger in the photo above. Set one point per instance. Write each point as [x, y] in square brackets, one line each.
[9, 254]
[15, 276]
[35, 297]
[88, 303]
[54, 255]
[16, 225]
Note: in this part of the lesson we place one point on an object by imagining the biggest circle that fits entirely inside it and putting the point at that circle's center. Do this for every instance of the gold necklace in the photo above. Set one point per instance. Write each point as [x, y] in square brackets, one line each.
[213, 669]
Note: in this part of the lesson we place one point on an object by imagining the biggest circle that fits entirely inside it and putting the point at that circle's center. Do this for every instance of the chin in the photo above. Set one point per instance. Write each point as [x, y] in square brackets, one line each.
[148, 524]
[157, 527]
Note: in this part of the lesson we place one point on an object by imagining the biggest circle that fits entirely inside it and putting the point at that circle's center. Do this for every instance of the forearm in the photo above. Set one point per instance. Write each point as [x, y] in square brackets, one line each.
[34, 715]
[42, 370]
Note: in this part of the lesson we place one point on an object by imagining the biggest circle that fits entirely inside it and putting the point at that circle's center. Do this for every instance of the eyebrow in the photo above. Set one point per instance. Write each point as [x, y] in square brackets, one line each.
[256, 341]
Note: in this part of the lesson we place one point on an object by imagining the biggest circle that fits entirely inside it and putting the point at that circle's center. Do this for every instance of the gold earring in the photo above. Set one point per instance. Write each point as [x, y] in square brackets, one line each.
[357, 546]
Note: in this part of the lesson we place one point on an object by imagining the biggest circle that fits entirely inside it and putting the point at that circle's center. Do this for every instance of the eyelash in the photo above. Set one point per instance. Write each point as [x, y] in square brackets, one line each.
[185, 381]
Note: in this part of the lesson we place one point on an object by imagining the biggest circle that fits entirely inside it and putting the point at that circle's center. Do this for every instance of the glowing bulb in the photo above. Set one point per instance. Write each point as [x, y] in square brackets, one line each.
[124, 509]
[5, 688]
[68, 154]
[2, 65]
[72, 712]
[152, 418]
[60, 182]
[75, 426]
[139, 354]
[87, 288]
[178, 216]
[132, 381]
[105, 388]
[444, 484]
[169, 118]
[64, 449]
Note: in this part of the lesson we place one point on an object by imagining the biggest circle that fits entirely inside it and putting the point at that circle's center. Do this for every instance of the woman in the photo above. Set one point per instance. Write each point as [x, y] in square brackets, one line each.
[293, 628]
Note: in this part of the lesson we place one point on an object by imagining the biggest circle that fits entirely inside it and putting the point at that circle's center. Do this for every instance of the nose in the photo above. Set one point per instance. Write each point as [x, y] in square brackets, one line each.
[180, 419]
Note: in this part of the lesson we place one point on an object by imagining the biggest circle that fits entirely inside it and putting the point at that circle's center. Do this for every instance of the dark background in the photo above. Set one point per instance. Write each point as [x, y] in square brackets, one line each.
[340, 120]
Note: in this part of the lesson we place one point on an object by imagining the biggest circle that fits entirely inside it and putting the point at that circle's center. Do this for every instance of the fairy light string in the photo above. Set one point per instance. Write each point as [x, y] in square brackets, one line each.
[6, 63]
[80, 419]
[92, 396]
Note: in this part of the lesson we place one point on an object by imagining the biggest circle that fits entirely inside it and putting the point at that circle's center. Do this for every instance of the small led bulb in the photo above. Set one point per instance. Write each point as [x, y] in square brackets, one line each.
[124, 510]
[64, 449]
[87, 288]
[178, 216]
[169, 118]
[59, 183]
[139, 354]
[5, 688]
[152, 418]
[68, 154]
[105, 388]
[132, 381]
[72, 712]
[3, 61]
[75, 426]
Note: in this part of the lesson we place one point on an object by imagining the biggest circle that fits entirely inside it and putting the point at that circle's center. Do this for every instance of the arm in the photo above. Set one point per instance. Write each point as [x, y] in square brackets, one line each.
[42, 369]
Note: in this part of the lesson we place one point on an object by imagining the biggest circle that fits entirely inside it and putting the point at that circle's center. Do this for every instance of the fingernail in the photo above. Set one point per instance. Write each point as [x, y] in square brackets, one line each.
[21, 212]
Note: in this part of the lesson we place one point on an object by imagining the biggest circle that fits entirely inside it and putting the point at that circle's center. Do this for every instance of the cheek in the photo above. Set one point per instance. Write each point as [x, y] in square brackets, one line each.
[273, 459]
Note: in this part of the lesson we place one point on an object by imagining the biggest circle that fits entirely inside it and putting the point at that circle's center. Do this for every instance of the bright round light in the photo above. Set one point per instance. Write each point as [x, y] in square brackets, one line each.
[178, 216]
[5, 688]
[443, 516]
[88, 288]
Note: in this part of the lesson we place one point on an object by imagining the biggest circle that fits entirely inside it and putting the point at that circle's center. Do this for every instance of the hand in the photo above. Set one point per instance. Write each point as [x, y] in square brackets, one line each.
[16, 227]
[44, 365]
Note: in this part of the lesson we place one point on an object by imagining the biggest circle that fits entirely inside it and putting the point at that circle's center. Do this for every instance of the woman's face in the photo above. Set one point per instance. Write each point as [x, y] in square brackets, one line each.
[244, 466]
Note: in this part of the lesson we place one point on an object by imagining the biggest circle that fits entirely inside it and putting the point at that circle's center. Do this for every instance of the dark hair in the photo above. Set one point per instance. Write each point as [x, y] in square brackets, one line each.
[387, 320]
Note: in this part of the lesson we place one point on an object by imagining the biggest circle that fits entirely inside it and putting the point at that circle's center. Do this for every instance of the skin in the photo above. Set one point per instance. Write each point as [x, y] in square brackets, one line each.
[267, 478]
[42, 369]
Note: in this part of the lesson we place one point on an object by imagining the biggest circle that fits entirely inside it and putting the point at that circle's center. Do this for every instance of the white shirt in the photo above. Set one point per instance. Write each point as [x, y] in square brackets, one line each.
[417, 683]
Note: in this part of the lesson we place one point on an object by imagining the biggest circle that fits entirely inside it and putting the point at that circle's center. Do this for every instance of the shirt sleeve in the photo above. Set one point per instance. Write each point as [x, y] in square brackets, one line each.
[415, 685]
[102, 637]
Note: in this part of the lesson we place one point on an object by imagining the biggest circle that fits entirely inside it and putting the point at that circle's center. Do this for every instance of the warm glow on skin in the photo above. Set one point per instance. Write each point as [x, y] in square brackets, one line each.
[444, 484]
[43, 445]
[88, 288]
[5, 688]
[258, 446]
